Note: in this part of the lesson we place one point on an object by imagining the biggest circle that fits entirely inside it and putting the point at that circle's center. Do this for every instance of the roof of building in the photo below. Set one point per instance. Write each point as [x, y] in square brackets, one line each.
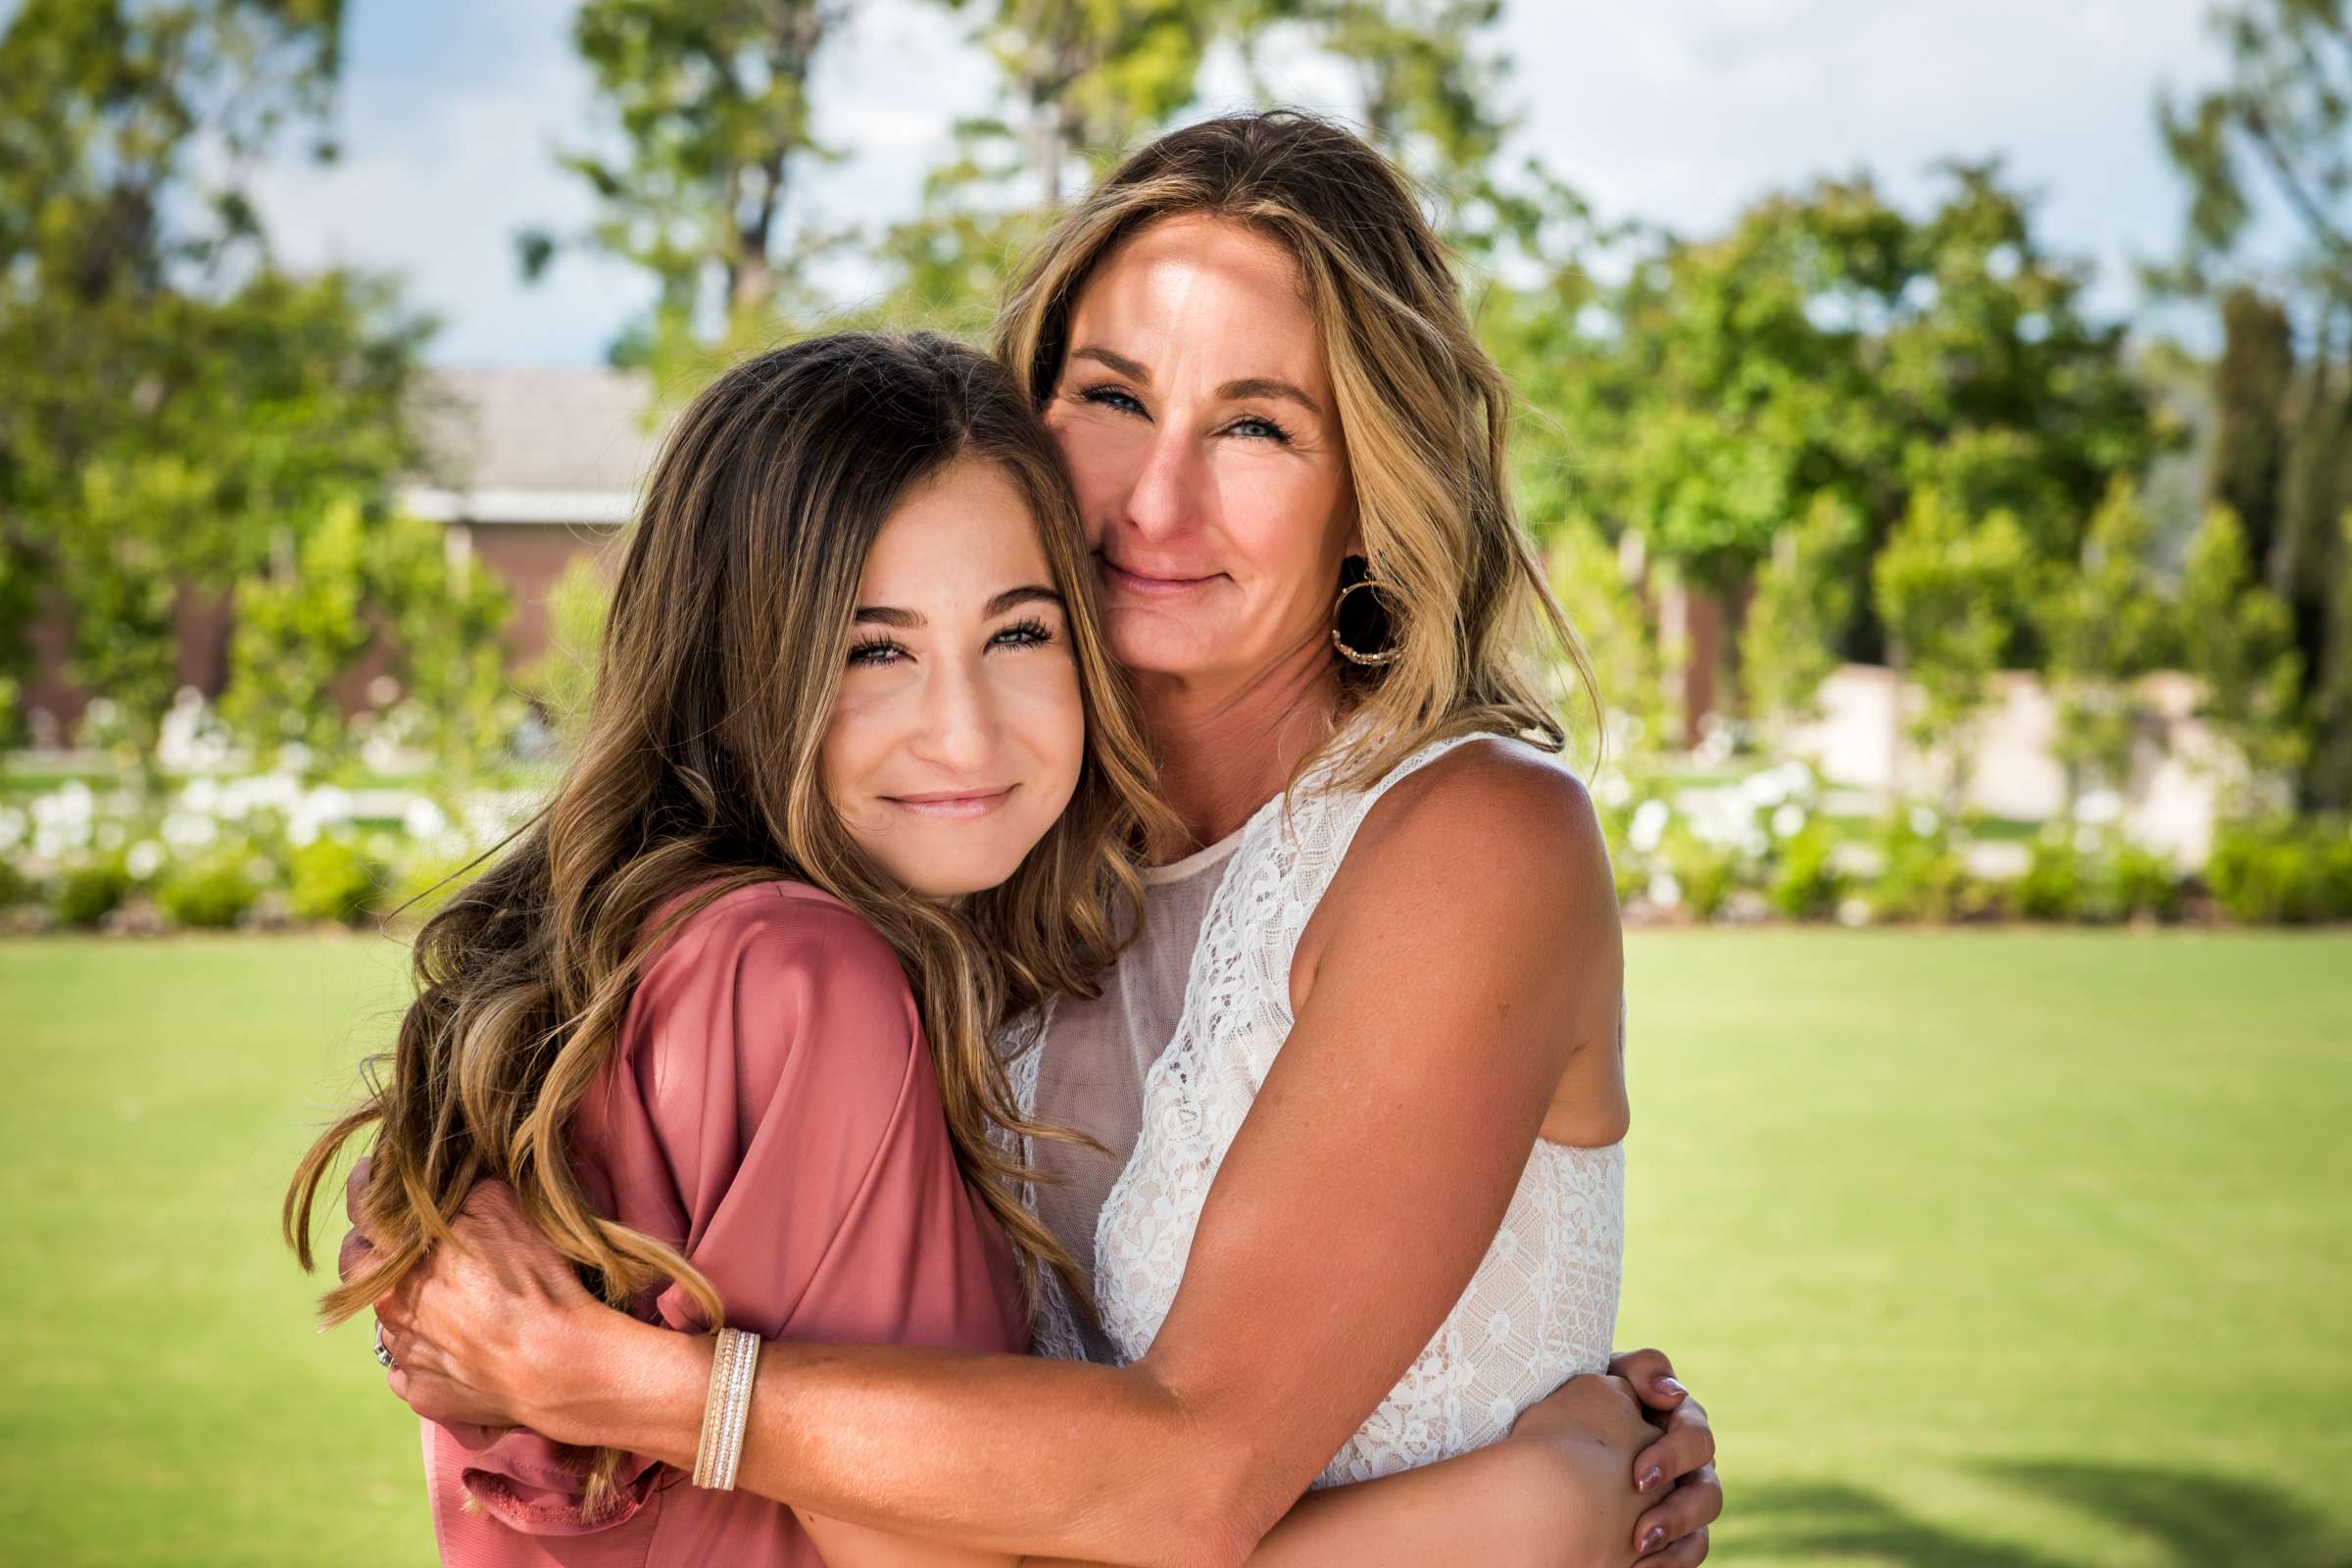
[534, 445]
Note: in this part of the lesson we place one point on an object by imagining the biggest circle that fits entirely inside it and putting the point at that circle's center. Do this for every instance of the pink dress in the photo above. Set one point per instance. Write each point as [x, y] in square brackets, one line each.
[771, 1109]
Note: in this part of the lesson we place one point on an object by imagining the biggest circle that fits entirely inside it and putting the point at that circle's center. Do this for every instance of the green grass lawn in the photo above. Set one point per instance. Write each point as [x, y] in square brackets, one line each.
[1988, 1249]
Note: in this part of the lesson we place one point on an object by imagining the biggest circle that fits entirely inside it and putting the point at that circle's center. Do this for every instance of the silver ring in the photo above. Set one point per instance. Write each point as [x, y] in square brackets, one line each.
[383, 1356]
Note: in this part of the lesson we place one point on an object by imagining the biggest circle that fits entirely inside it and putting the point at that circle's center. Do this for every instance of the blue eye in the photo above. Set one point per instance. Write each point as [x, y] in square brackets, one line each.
[1265, 431]
[1111, 396]
[872, 652]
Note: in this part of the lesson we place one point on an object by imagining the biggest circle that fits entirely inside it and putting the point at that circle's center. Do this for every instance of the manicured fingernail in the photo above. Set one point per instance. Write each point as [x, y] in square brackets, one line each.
[1668, 1386]
[1649, 1479]
[1652, 1539]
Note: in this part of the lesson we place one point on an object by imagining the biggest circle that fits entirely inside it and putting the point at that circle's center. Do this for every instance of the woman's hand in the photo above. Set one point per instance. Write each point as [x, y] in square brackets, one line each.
[1678, 1469]
[477, 1332]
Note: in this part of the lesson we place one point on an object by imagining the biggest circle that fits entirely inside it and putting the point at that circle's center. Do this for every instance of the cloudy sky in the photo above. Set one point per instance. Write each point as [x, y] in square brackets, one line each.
[1678, 110]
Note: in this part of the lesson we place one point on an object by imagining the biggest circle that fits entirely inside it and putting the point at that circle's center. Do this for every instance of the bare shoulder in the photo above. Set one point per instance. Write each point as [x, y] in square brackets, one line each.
[1491, 819]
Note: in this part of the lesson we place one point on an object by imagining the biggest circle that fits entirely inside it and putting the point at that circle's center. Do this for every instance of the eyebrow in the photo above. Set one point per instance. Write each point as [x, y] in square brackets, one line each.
[909, 621]
[1254, 386]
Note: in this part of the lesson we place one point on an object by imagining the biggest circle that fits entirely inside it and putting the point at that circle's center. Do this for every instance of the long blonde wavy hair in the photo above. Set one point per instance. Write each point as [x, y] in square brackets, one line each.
[1461, 600]
[699, 773]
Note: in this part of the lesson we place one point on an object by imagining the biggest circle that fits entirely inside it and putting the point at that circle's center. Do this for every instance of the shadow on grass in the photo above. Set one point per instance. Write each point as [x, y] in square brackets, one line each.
[2194, 1520]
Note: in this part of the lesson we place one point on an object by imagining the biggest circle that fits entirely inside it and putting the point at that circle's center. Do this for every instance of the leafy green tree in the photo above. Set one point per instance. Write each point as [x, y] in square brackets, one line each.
[2274, 136]
[169, 398]
[2239, 639]
[1831, 342]
[2253, 446]
[356, 583]
[708, 109]
[1084, 80]
[1080, 81]
[298, 628]
[2105, 626]
[561, 681]
[1431, 86]
[1949, 592]
[1620, 636]
[447, 618]
[1804, 597]
[2331, 725]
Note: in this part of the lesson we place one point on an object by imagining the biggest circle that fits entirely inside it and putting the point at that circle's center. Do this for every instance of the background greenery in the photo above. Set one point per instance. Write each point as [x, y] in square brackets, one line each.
[1862, 429]
[1989, 1249]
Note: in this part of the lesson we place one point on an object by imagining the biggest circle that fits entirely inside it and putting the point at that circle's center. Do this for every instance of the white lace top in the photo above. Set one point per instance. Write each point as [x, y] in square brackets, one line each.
[1541, 1306]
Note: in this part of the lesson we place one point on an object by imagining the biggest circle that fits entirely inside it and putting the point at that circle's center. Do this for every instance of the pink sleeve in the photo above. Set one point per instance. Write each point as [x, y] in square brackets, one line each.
[774, 1113]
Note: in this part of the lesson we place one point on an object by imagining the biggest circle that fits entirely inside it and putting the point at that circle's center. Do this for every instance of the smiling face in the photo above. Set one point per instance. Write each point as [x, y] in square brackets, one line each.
[1197, 414]
[958, 732]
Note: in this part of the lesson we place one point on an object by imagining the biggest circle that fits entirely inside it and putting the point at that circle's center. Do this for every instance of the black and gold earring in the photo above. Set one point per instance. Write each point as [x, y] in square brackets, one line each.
[1381, 655]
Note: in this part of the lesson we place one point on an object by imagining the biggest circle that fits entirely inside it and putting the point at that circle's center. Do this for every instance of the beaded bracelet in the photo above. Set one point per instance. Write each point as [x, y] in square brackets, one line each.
[727, 1405]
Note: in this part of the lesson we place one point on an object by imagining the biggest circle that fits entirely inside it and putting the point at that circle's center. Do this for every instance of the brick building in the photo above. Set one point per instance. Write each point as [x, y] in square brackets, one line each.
[526, 469]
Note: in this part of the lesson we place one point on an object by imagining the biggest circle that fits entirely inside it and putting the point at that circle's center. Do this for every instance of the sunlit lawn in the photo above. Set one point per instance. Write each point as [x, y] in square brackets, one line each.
[1989, 1249]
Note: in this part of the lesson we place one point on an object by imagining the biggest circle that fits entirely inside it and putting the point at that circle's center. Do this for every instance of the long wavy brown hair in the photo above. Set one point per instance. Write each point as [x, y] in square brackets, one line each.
[700, 774]
[1461, 600]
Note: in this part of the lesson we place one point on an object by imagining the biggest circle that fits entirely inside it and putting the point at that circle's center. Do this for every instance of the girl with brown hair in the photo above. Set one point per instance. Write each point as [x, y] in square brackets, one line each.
[855, 722]
[1360, 1083]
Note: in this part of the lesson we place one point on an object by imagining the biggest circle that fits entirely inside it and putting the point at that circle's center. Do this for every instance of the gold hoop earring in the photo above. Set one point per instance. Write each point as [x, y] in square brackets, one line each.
[1387, 655]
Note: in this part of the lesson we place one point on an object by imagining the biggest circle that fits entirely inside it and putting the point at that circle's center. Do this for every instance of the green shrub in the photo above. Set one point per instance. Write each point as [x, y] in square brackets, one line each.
[85, 894]
[333, 879]
[1924, 878]
[2054, 885]
[2283, 872]
[1804, 885]
[209, 894]
[2332, 866]
[1706, 873]
[2137, 882]
[15, 886]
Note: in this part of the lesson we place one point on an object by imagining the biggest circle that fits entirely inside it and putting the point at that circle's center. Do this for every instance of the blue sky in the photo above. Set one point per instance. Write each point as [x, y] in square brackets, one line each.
[1678, 111]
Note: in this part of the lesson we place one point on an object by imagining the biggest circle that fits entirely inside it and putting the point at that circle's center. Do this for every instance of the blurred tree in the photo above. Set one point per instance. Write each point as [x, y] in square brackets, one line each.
[1079, 82]
[448, 619]
[2105, 626]
[1704, 394]
[2266, 150]
[1080, 79]
[1431, 88]
[356, 583]
[1620, 636]
[2252, 383]
[1804, 597]
[19, 602]
[1948, 592]
[709, 102]
[1083, 81]
[2238, 638]
[296, 628]
[1830, 342]
[169, 398]
[563, 679]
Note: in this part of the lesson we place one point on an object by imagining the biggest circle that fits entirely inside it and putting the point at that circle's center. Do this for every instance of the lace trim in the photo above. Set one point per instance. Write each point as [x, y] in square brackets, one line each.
[1541, 1306]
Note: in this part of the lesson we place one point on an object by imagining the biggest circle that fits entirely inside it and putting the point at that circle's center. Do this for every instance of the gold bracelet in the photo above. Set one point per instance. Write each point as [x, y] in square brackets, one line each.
[726, 1407]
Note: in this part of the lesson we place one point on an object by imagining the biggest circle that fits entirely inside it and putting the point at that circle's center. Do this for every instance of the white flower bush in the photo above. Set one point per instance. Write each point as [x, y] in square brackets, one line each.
[237, 849]
[230, 847]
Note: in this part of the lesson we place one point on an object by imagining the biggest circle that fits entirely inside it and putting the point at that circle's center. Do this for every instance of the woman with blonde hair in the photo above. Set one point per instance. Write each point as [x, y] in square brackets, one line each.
[1360, 1081]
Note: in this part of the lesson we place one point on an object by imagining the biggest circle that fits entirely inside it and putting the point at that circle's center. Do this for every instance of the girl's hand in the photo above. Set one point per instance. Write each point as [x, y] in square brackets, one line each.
[478, 1332]
[1677, 1470]
[1589, 1430]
